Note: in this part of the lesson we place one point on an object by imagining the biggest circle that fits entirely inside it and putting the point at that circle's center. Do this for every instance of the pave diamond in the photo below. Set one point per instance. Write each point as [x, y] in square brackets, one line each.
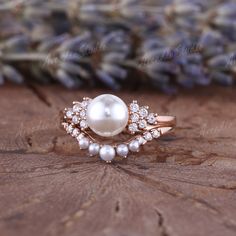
[80, 136]
[134, 117]
[151, 118]
[76, 107]
[84, 104]
[148, 136]
[133, 127]
[69, 129]
[142, 124]
[83, 124]
[82, 113]
[75, 119]
[69, 113]
[155, 133]
[75, 132]
[134, 107]
[143, 112]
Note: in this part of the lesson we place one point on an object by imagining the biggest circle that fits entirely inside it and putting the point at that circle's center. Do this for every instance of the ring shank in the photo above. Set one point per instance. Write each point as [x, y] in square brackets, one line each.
[166, 121]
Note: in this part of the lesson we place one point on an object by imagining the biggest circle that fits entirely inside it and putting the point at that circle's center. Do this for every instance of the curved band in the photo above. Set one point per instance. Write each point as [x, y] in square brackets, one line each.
[164, 123]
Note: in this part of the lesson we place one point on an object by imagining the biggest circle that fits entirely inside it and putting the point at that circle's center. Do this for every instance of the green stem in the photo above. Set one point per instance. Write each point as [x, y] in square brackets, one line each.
[97, 7]
[129, 63]
[24, 57]
[115, 7]
[11, 5]
[35, 57]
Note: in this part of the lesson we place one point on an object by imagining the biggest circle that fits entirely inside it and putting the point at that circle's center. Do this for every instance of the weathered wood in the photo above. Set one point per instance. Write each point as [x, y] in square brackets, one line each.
[183, 184]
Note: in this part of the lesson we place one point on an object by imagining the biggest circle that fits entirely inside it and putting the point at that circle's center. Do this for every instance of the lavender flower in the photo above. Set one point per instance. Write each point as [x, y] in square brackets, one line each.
[164, 44]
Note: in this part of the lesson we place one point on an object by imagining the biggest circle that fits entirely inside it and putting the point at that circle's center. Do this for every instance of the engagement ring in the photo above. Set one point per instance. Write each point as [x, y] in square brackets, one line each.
[106, 116]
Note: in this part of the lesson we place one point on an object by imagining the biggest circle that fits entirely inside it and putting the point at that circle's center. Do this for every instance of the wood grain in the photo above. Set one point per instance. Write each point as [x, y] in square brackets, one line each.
[181, 185]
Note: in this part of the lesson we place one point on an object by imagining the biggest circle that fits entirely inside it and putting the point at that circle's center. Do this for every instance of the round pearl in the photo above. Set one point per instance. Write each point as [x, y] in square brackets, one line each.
[122, 150]
[107, 115]
[134, 146]
[84, 143]
[107, 153]
[94, 149]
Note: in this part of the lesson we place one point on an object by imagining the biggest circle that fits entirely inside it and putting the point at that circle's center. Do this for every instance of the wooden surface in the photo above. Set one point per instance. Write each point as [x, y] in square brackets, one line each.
[181, 185]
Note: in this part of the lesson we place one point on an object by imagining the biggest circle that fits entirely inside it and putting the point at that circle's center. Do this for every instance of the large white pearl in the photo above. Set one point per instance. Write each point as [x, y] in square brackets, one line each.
[107, 115]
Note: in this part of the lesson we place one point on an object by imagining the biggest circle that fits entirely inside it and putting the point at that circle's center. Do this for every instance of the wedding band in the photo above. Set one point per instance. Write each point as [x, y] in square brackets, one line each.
[107, 116]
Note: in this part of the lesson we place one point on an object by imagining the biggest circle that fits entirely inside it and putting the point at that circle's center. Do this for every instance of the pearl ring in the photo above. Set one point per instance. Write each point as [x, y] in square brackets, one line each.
[107, 116]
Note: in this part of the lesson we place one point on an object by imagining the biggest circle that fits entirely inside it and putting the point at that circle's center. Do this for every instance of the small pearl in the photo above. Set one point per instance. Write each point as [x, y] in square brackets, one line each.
[134, 146]
[94, 149]
[122, 150]
[107, 115]
[107, 153]
[84, 143]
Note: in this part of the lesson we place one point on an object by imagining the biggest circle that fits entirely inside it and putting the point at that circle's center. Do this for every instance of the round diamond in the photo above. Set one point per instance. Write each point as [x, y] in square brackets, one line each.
[69, 113]
[83, 124]
[69, 129]
[84, 104]
[75, 132]
[148, 136]
[76, 107]
[155, 133]
[151, 118]
[80, 136]
[142, 124]
[134, 117]
[134, 107]
[75, 119]
[82, 113]
[133, 127]
[143, 112]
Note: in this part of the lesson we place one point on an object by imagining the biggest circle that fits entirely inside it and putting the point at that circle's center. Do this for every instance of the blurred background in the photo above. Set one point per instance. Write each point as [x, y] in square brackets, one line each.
[161, 44]
[53, 52]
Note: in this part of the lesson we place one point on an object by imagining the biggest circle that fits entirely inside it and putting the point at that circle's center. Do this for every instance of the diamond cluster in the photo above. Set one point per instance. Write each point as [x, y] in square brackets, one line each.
[140, 118]
[77, 116]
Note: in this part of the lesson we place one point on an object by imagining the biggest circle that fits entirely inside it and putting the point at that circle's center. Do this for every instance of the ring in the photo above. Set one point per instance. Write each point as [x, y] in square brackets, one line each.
[106, 116]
